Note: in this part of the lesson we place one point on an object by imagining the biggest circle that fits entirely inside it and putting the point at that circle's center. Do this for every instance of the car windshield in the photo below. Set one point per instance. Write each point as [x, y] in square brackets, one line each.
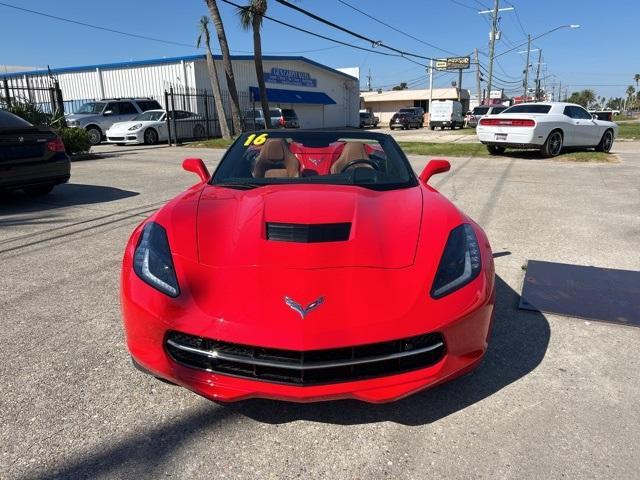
[528, 108]
[480, 110]
[91, 107]
[150, 116]
[331, 158]
[289, 114]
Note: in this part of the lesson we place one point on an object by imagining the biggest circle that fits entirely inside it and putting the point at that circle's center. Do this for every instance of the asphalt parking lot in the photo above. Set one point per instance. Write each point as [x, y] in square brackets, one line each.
[555, 397]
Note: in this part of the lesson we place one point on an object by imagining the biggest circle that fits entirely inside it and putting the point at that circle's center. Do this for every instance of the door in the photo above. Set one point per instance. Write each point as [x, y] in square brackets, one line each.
[590, 130]
[580, 130]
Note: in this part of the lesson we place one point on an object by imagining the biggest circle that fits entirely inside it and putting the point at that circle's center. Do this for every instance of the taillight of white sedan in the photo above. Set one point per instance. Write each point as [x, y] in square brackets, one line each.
[548, 126]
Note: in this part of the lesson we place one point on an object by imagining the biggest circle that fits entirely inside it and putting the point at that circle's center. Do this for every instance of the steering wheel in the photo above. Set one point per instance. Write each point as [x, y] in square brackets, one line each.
[359, 162]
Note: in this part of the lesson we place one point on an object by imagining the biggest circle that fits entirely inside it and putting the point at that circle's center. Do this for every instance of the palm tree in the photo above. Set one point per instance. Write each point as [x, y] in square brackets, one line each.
[213, 76]
[636, 77]
[228, 68]
[630, 91]
[588, 97]
[251, 18]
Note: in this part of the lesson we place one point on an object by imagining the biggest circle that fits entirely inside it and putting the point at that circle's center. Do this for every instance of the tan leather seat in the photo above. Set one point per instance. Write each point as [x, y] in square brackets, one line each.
[351, 151]
[276, 161]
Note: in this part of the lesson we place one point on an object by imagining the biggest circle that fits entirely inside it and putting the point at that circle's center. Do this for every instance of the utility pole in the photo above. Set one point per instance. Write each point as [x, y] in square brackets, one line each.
[526, 70]
[459, 84]
[430, 86]
[492, 44]
[560, 90]
[369, 81]
[493, 36]
[475, 54]
[538, 76]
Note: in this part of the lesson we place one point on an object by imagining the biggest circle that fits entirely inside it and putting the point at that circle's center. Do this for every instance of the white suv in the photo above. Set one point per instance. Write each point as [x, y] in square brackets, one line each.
[97, 117]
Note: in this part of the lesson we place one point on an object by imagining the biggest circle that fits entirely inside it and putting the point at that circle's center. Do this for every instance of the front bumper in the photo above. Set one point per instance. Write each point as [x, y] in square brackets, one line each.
[125, 137]
[465, 338]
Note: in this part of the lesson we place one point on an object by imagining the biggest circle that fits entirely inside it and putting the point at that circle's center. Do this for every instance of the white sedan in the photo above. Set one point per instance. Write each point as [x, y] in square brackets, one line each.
[150, 127]
[548, 126]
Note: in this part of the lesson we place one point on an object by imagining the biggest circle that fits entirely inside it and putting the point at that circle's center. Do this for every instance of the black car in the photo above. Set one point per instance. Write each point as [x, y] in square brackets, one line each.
[405, 120]
[368, 119]
[31, 158]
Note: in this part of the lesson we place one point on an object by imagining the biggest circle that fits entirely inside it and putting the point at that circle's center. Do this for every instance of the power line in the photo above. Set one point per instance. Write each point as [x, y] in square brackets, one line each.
[374, 43]
[395, 29]
[142, 37]
[275, 20]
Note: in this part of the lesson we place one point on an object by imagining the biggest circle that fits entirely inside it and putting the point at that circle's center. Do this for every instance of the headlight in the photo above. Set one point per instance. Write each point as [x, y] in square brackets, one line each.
[152, 260]
[73, 123]
[135, 127]
[460, 262]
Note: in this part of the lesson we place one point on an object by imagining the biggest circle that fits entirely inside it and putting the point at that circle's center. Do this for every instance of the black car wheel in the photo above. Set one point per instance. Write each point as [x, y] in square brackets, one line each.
[553, 145]
[95, 135]
[150, 136]
[606, 142]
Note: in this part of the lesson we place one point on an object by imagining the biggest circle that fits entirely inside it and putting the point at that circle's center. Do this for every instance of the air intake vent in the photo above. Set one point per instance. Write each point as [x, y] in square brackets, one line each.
[313, 233]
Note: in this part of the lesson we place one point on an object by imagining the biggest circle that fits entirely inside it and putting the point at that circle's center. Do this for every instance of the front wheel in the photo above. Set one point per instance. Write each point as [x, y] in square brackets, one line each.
[606, 142]
[39, 190]
[95, 135]
[150, 136]
[495, 149]
[553, 145]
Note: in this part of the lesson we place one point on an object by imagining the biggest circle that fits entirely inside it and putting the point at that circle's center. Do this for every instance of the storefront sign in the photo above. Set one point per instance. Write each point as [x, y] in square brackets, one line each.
[290, 77]
[453, 63]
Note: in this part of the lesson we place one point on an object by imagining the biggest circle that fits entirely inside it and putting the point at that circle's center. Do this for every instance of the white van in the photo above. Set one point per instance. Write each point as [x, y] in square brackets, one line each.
[445, 113]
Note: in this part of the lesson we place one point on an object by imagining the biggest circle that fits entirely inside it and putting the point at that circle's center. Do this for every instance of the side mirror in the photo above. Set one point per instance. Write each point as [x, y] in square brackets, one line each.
[108, 112]
[432, 168]
[594, 117]
[197, 166]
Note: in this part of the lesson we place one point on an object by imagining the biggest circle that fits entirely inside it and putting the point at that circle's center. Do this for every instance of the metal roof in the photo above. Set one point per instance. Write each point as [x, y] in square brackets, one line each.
[160, 61]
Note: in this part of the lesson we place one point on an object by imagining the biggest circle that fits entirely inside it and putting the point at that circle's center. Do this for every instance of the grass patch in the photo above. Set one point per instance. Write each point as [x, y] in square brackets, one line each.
[213, 143]
[479, 150]
[629, 130]
[622, 118]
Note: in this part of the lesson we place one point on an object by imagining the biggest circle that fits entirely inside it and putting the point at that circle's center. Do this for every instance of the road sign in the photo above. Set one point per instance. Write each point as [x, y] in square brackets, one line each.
[453, 63]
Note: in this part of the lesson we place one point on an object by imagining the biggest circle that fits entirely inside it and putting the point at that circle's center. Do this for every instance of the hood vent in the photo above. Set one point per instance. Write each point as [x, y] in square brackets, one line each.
[308, 233]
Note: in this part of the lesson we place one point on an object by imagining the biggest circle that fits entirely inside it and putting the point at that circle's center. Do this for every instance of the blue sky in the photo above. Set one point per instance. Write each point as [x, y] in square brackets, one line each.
[603, 54]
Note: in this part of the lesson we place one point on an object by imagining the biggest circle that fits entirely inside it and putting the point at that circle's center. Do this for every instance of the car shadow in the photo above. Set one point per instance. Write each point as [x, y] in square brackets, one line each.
[517, 345]
[65, 195]
[536, 155]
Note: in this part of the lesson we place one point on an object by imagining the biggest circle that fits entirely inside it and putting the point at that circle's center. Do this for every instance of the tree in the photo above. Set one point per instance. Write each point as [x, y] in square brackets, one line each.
[630, 91]
[213, 76]
[228, 68]
[402, 86]
[584, 98]
[636, 77]
[251, 18]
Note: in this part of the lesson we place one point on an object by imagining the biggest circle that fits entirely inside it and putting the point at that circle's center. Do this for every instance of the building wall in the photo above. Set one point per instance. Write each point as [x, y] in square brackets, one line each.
[151, 80]
[385, 110]
[344, 91]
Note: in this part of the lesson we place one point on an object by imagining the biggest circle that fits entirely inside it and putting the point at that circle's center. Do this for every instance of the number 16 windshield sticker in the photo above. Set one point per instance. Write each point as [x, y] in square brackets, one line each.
[254, 139]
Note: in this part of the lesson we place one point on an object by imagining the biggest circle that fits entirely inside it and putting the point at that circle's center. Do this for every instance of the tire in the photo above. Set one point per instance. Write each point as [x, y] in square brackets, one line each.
[39, 190]
[198, 131]
[495, 149]
[552, 146]
[95, 135]
[150, 136]
[432, 128]
[606, 142]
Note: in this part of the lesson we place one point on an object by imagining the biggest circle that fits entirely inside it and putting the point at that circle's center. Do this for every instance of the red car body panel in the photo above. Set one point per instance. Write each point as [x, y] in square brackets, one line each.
[375, 285]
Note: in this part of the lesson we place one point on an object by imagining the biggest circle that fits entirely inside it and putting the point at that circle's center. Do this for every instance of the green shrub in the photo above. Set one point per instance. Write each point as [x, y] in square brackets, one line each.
[34, 114]
[76, 140]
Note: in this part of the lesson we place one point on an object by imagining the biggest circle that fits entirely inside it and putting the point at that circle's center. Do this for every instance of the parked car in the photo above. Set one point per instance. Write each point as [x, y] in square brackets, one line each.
[417, 111]
[405, 120]
[265, 280]
[603, 114]
[280, 118]
[548, 126]
[97, 117]
[368, 119]
[150, 127]
[32, 159]
[445, 113]
[472, 118]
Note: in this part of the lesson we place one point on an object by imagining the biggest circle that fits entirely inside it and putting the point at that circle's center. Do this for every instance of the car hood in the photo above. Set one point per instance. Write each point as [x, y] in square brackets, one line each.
[384, 226]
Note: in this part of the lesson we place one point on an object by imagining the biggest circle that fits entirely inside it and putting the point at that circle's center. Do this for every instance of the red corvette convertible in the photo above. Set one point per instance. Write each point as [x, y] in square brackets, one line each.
[310, 266]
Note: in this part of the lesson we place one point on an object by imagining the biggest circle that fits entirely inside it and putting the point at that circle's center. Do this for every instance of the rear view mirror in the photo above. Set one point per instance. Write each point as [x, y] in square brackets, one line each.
[432, 168]
[197, 166]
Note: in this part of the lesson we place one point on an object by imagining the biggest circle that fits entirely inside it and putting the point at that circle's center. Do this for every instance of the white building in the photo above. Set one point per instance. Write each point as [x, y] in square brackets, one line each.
[385, 103]
[321, 96]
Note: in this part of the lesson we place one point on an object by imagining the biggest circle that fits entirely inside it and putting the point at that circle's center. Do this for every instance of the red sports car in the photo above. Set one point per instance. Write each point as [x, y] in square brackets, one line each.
[312, 265]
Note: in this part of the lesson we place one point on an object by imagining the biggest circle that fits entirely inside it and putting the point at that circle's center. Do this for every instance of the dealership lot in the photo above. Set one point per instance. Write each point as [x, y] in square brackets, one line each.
[554, 397]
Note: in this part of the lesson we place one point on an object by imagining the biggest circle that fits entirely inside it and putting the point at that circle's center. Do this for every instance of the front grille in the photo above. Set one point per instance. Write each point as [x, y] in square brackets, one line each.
[116, 138]
[310, 367]
[308, 233]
